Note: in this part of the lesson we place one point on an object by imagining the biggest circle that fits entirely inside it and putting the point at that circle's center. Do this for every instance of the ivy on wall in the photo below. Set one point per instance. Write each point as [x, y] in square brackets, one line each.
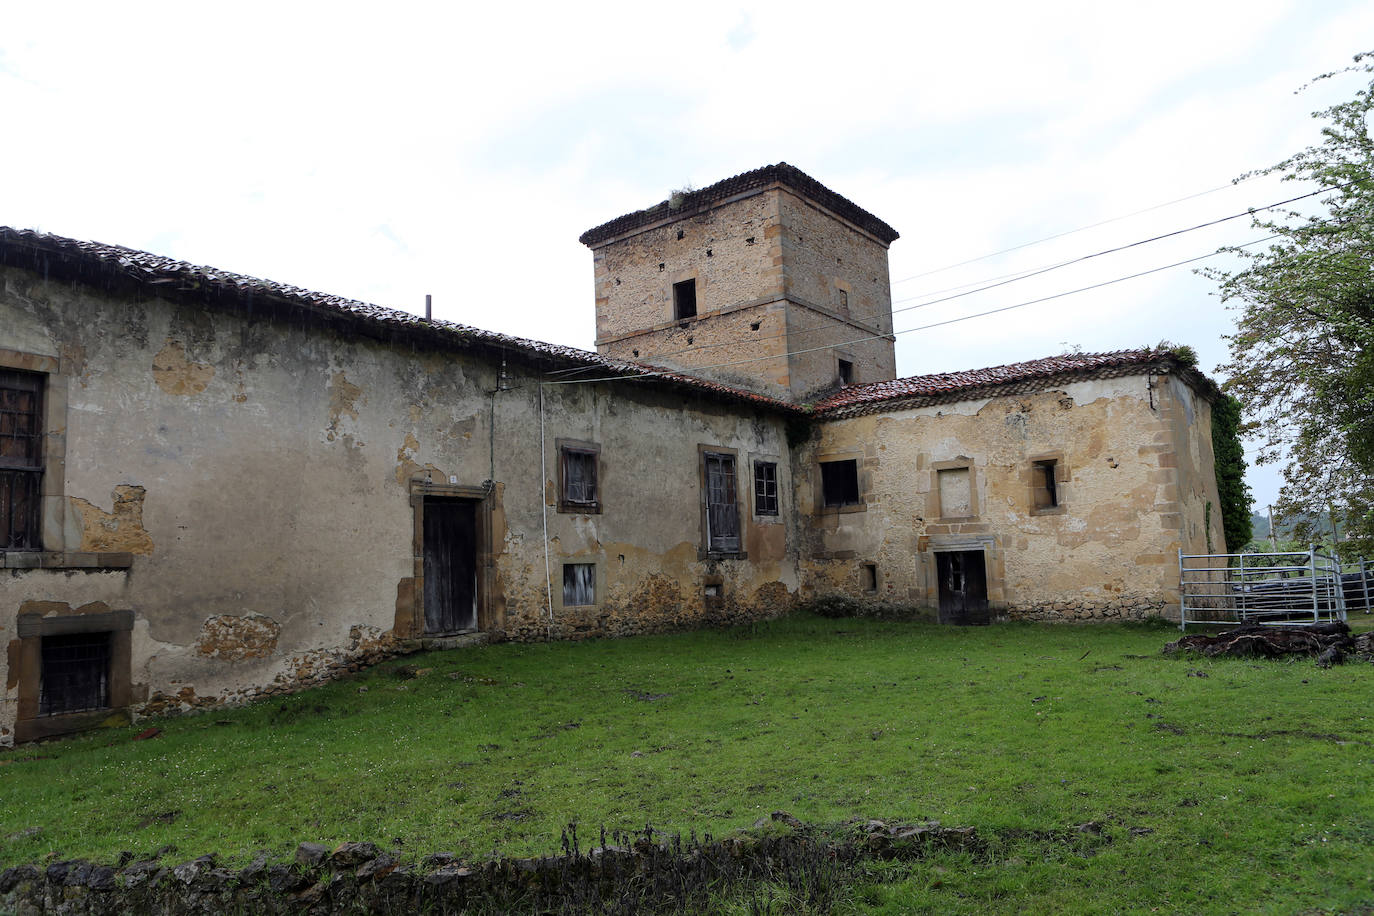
[1236, 499]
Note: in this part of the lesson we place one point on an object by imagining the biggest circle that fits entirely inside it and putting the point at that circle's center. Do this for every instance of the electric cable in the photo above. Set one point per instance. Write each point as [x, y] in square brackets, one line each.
[937, 324]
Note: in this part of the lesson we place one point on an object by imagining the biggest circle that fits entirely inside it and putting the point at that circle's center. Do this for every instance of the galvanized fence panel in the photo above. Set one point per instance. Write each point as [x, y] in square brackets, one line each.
[1272, 589]
[1357, 583]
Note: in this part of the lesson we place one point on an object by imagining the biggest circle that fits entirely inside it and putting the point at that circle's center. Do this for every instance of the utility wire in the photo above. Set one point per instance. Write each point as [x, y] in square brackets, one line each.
[1010, 278]
[924, 327]
[1060, 235]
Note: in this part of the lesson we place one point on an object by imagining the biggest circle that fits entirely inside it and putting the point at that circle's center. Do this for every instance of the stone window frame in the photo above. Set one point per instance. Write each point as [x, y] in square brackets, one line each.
[861, 471]
[955, 464]
[55, 552]
[670, 293]
[1061, 479]
[584, 447]
[35, 621]
[705, 551]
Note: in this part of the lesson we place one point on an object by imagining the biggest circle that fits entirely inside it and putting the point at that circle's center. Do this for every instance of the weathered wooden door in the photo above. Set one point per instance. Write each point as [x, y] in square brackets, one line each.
[450, 548]
[963, 587]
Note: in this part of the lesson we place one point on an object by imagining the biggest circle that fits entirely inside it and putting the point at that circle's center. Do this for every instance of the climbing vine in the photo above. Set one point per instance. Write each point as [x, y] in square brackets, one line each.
[1232, 489]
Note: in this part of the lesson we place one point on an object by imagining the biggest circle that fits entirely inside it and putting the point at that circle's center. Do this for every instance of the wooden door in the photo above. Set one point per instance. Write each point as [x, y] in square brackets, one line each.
[963, 587]
[450, 550]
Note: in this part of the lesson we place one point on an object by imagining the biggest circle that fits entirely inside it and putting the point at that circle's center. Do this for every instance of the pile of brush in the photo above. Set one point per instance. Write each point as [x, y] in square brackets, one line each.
[1330, 643]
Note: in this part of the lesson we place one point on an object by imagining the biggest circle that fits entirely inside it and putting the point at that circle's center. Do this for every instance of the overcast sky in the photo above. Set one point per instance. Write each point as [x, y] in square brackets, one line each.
[386, 152]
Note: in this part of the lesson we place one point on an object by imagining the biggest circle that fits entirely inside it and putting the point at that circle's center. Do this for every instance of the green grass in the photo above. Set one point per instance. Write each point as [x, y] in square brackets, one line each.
[1248, 788]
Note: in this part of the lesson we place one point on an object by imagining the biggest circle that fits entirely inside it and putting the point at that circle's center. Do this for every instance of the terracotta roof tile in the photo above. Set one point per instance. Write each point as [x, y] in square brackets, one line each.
[944, 387]
[783, 173]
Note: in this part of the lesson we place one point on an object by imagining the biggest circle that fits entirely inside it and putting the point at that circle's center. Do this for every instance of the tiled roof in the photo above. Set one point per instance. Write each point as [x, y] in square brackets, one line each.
[60, 257]
[1015, 378]
[783, 173]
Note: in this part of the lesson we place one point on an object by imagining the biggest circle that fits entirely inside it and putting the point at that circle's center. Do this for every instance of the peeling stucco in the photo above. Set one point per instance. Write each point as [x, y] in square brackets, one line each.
[234, 638]
[119, 530]
[176, 374]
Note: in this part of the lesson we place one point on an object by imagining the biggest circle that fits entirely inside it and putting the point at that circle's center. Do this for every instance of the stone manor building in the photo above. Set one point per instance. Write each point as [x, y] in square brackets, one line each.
[214, 486]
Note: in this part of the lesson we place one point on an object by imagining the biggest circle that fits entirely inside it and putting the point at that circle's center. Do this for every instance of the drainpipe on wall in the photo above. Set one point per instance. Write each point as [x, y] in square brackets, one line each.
[544, 506]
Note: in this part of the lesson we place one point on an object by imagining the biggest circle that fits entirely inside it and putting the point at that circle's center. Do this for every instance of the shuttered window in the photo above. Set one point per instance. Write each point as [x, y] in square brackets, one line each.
[579, 489]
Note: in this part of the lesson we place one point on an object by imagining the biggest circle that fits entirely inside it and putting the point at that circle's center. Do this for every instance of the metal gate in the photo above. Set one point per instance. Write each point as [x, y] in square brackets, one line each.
[1272, 589]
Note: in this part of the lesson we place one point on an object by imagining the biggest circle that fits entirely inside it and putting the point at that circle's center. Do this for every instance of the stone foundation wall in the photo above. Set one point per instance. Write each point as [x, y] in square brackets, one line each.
[1078, 610]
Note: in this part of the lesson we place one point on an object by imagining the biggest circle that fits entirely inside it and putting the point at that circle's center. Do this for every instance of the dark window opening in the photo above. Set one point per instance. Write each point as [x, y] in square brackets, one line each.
[21, 459]
[869, 574]
[765, 488]
[840, 483]
[579, 473]
[75, 673]
[846, 372]
[1046, 491]
[844, 300]
[579, 584]
[685, 299]
[722, 504]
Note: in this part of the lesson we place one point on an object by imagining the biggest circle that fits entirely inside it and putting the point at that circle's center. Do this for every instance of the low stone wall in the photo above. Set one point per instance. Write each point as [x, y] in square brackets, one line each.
[627, 874]
[1094, 609]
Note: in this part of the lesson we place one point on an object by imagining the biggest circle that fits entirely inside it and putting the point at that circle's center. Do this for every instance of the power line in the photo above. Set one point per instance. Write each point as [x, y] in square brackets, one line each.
[1060, 235]
[924, 327]
[1008, 279]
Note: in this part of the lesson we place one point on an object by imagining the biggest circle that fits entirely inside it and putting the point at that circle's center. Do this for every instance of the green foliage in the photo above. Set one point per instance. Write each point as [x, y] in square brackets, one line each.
[1185, 354]
[1104, 776]
[1229, 454]
[1302, 356]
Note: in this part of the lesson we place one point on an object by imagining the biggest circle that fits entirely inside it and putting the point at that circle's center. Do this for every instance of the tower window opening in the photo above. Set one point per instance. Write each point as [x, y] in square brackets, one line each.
[685, 299]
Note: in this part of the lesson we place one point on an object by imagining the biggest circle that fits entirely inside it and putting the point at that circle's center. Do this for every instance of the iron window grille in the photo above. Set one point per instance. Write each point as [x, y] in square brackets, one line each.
[21, 459]
[75, 673]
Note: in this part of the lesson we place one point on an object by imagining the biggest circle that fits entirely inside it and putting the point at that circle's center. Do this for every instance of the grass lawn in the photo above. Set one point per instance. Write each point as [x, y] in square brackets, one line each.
[1217, 786]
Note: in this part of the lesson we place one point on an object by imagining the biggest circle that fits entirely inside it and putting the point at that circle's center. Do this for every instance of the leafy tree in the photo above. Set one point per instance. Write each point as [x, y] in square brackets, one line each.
[1230, 463]
[1302, 355]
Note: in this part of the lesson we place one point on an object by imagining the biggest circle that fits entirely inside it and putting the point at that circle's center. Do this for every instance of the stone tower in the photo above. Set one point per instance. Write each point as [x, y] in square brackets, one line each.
[768, 281]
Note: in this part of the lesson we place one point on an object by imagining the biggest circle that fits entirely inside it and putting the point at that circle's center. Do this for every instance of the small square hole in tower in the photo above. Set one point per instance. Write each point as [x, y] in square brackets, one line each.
[685, 299]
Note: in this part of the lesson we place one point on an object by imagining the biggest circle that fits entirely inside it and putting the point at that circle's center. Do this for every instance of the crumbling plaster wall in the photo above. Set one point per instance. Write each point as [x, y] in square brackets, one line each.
[260, 472]
[647, 541]
[1130, 458]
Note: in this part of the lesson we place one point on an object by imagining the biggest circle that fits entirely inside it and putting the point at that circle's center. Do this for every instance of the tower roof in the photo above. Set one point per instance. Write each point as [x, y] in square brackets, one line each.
[695, 201]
